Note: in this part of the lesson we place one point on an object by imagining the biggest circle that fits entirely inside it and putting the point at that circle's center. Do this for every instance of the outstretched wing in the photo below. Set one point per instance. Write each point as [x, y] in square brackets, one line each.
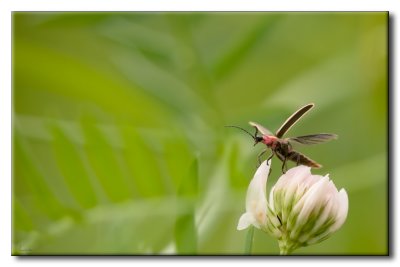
[293, 119]
[313, 139]
[261, 128]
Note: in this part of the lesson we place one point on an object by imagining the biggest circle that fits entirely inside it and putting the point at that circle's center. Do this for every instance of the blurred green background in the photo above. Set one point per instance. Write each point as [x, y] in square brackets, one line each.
[118, 138]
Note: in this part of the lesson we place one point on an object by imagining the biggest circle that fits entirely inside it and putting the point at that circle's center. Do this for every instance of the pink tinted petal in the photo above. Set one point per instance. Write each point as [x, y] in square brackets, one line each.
[271, 198]
[245, 221]
[313, 198]
[294, 176]
[257, 189]
[343, 208]
[256, 199]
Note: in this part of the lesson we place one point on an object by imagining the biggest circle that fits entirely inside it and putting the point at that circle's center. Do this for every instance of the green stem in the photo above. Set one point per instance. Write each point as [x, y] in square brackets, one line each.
[249, 241]
[286, 247]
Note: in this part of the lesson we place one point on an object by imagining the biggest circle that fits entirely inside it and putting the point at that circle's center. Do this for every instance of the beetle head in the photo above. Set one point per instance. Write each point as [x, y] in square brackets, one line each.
[256, 138]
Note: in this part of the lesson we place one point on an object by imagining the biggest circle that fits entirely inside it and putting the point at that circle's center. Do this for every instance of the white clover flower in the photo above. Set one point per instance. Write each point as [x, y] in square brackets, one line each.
[302, 209]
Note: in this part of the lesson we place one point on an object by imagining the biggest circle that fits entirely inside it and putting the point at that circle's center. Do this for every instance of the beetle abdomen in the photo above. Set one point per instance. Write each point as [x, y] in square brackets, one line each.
[299, 158]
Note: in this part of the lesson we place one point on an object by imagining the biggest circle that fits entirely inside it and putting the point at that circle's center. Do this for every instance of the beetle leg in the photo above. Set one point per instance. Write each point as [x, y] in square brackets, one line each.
[260, 155]
[270, 157]
[284, 165]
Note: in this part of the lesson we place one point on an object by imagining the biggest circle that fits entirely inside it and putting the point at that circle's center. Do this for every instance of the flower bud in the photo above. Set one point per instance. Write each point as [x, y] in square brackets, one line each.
[302, 209]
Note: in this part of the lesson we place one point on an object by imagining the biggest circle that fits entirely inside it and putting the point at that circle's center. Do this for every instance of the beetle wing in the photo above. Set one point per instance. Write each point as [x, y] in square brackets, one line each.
[313, 139]
[293, 119]
[261, 128]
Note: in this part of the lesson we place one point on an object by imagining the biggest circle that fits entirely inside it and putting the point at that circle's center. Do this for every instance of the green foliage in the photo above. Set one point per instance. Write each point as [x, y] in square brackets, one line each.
[185, 227]
[118, 138]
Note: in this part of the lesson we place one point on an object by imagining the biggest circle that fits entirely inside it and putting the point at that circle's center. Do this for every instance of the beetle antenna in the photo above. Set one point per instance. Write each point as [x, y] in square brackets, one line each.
[232, 126]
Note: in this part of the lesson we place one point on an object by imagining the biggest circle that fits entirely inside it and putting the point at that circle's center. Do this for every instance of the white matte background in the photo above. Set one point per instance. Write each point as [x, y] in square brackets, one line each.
[6, 8]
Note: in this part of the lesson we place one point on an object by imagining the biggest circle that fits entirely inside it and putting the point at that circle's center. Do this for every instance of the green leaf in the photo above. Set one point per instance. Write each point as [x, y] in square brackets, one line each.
[189, 185]
[185, 226]
[31, 185]
[242, 47]
[70, 164]
[142, 162]
[185, 234]
[104, 162]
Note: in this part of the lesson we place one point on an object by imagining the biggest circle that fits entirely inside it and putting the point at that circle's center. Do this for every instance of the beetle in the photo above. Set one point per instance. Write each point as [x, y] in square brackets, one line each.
[282, 147]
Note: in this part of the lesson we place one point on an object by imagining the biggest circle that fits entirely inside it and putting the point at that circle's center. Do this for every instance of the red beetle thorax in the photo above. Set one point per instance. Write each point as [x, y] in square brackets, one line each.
[269, 139]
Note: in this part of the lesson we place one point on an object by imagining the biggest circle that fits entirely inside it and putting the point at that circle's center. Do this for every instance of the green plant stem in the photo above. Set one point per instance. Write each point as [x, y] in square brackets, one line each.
[249, 241]
[286, 247]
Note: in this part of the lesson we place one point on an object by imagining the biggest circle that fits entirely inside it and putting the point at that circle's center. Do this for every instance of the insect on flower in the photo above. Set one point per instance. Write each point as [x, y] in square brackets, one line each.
[282, 147]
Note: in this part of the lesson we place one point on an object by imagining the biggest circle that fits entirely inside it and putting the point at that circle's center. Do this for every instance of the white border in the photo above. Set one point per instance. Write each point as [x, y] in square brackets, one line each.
[7, 6]
[205, 5]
